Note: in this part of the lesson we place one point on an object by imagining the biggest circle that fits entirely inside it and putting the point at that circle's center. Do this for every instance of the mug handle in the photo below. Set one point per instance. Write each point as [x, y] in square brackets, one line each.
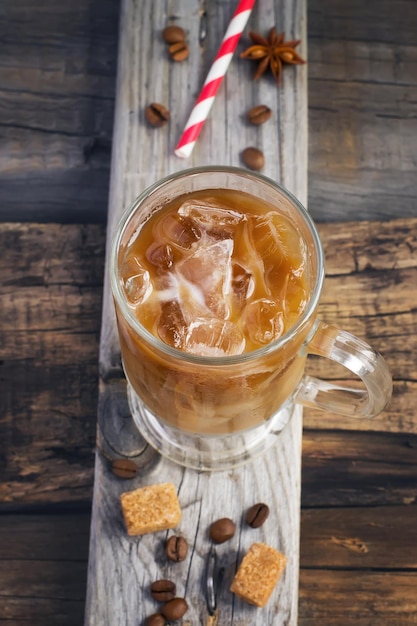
[358, 357]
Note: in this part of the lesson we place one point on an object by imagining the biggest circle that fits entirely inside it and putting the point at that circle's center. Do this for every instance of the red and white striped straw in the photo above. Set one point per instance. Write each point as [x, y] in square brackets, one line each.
[214, 78]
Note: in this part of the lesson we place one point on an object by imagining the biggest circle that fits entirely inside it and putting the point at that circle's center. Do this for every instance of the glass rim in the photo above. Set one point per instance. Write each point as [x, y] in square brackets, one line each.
[217, 360]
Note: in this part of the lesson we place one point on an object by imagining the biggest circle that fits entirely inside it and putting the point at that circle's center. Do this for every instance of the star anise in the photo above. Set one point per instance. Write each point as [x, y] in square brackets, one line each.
[272, 52]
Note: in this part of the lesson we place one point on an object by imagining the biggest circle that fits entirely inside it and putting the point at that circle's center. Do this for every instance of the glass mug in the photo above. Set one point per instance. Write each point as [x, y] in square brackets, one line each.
[217, 409]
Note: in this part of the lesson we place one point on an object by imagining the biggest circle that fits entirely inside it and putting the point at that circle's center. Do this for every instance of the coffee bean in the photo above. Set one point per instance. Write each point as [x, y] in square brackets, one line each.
[176, 548]
[124, 468]
[257, 514]
[174, 609]
[173, 34]
[253, 158]
[155, 620]
[163, 590]
[179, 51]
[156, 114]
[222, 530]
[259, 114]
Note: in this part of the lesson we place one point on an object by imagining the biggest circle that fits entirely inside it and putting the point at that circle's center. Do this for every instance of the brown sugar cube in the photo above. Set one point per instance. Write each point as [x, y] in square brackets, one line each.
[258, 574]
[149, 509]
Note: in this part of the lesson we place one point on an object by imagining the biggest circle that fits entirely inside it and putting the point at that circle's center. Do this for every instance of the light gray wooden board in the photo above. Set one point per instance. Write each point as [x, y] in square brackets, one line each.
[122, 568]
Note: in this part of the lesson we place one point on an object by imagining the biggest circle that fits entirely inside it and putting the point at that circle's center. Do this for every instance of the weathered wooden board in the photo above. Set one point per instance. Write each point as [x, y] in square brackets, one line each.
[57, 79]
[50, 301]
[376, 542]
[362, 163]
[360, 538]
[57, 82]
[364, 468]
[48, 360]
[121, 568]
[56, 108]
[371, 598]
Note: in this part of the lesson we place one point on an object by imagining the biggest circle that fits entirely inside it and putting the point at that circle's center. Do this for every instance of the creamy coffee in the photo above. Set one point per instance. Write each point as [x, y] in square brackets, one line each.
[214, 273]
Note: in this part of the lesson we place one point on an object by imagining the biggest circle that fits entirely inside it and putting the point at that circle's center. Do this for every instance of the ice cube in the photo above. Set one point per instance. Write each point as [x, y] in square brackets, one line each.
[293, 245]
[276, 238]
[213, 337]
[294, 296]
[216, 220]
[171, 324]
[209, 269]
[263, 320]
[250, 257]
[266, 237]
[160, 255]
[135, 280]
[280, 247]
[243, 284]
[179, 230]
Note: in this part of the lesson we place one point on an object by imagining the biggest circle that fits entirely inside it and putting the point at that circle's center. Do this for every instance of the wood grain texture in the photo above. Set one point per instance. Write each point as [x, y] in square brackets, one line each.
[42, 592]
[369, 599]
[362, 92]
[360, 538]
[57, 81]
[43, 567]
[117, 562]
[371, 273]
[57, 86]
[332, 540]
[360, 142]
[48, 359]
[351, 468]
[50, 301]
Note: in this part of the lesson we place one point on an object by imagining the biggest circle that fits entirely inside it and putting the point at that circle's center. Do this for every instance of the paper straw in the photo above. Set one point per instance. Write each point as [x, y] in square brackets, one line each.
[214, 78]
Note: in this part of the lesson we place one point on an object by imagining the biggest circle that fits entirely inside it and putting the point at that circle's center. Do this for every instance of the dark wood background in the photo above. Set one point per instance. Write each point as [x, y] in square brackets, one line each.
[359, 491]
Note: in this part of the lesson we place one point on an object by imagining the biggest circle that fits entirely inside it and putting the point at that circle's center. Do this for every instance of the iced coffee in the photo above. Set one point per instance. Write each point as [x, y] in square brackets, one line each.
[214, 277]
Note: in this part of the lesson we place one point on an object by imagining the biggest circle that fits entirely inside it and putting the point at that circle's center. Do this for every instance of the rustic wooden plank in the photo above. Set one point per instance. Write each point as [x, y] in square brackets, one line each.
[363, 599]
[49, 359]
[43, 568]
[70, 254]
[50, 295]
[141, 561]
[360, 538]
[70, 52]
[337, 20]
[346, 41]
[57, 80]
[22, 581]
[31, 542]
[339, 468]
[37, 110]
[18, 611]
[353, 468]
[355, 247]
[361, 92]
[115, 560]
[371, 273]
[55, 536]
[384, 537]
[66, 196]
[346, 182]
